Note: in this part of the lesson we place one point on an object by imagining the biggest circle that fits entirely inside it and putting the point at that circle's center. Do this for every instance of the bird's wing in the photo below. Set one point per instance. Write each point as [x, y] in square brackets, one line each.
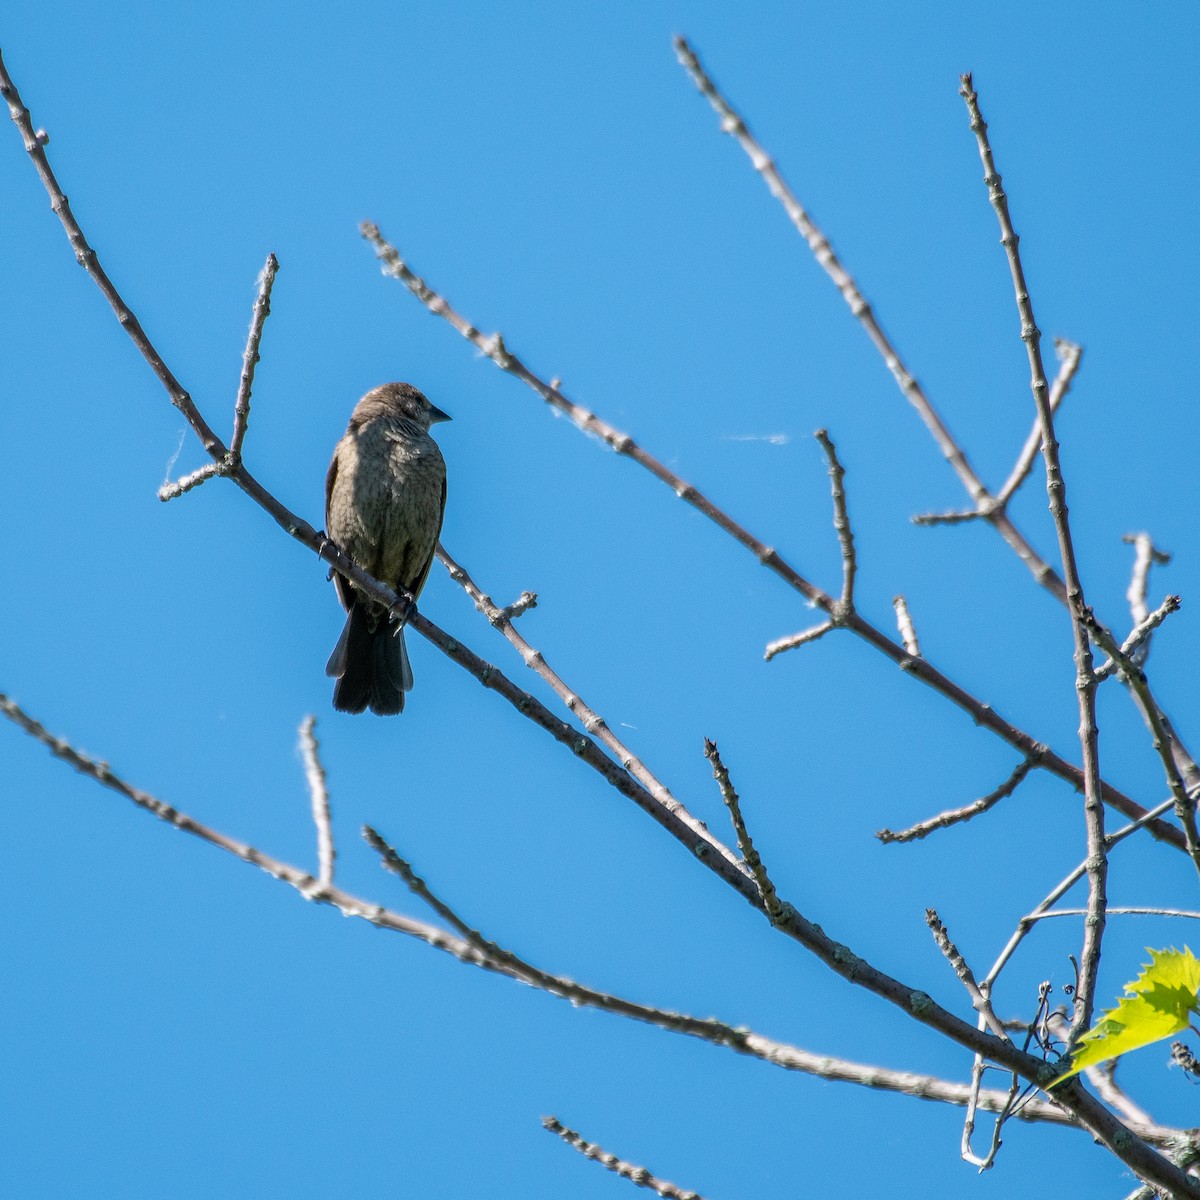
[345, 595]
[330, 476]
[424, 575]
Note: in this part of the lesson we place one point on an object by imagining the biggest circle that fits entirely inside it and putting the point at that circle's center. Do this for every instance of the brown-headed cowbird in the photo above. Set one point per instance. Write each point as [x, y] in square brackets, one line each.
[384, 498]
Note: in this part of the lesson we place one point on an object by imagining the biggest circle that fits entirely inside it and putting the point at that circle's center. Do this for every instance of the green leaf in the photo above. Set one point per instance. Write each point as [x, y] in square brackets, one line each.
[1157, 1005]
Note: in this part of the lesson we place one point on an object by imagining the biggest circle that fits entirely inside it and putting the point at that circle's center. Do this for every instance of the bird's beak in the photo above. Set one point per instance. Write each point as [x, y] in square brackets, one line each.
[436, 414]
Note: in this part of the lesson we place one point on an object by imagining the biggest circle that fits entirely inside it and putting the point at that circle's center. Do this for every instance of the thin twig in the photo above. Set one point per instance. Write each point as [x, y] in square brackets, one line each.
[232, 458]
[1134, 647]
[627, 1170]
[1013, 1105]
[1145, 555]
[1162, 737]
[841, 522]
[262, 310]
[1085, 678]
[979, 998]
[318, 792]
[955, 516]
[966, 1150]
[520, 606]
[953, 816]
[987, 1017]
[1124, 910]
[796, 639]
[978, 1066]
[1070, 355]
[1137, 647]
[766, 889]
[904, 624]
[172, 490]
[494, 348]
[489, 949]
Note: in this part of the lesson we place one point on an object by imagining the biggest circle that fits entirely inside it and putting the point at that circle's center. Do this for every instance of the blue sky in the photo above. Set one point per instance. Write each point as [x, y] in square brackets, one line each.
[179, 1024]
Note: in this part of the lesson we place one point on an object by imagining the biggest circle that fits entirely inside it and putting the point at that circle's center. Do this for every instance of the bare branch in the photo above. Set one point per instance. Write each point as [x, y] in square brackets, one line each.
[987, 506]
[627, 1170]
[1076, 1102]
[488, 949]
[956, 516]
[185, 483]
[262, 309]
[905, 624]
[1161, 735]
[987, 1017]
[979, 999]
[841, 522]
[953, 816]
[1124, 910]
[1134, 646]
[780, 645]
[1070, 355]
[718, 1033]
[1085, 682]
[740, 1039]
[766, 889]
[241, 408]
[920, 668]
[818, 244]
[318, 791]
[520, 606]
[965, 1149]
[1145, 554]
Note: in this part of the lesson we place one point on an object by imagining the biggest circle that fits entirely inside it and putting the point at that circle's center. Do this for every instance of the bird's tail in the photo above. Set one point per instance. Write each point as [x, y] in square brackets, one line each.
[370, 664]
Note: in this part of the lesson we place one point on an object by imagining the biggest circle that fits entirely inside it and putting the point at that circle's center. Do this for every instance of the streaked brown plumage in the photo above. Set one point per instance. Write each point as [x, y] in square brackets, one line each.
[384, 498]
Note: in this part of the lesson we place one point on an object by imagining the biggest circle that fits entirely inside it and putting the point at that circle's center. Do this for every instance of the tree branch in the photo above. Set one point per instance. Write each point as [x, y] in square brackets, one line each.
[1085, 682]
[766, 889]
[954, 816]
[318, 791]
[991, 508]
[985, 504]
[494, 348]
[627, 1170]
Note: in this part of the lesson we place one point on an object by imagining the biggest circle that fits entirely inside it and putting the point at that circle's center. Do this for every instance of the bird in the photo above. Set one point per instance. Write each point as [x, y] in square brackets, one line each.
[385, 494]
